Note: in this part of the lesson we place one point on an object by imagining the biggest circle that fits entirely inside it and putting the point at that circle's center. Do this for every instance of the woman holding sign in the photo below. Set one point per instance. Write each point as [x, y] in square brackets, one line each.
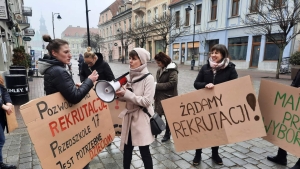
[280, 158]
[6, 107]
[219, 69]
[136, 129]
[56, 77]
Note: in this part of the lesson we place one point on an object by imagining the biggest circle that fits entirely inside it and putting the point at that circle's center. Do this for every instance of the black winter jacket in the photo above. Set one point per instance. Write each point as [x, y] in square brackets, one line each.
[4, 98]
[296, 81]
[57, 79]
[207, 76]
[101, 67]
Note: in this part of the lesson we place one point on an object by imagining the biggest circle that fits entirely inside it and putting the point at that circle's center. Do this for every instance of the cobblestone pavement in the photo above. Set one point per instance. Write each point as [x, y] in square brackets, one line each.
[250, 154]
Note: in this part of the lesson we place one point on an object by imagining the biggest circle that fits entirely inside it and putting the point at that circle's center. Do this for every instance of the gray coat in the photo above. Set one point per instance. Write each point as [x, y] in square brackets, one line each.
[166, 86]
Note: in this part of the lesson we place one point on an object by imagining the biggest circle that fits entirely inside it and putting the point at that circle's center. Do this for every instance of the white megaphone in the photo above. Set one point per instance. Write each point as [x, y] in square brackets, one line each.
[106, 91]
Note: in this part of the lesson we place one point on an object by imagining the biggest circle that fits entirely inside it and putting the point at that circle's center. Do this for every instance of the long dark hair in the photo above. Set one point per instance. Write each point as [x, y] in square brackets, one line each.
[54, 44]
[163, 58]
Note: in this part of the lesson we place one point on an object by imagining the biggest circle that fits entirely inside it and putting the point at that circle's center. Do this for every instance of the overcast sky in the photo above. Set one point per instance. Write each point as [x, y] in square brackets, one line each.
[71, 11]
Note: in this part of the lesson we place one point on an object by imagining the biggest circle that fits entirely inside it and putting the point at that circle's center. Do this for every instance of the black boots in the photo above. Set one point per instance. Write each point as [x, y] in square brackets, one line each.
[296, 166]
[166, 137]
[6, 166]
[280, 158]
[215, 156]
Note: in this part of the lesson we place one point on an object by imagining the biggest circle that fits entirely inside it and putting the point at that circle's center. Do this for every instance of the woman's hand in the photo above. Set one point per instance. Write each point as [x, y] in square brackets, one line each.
[120, 92]
[94, 76]
[209, 86]
[8, 109]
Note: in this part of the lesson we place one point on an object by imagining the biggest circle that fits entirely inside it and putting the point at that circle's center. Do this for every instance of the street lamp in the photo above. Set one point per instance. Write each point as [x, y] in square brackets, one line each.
[58, 17]
[193, 53]
[87, 23]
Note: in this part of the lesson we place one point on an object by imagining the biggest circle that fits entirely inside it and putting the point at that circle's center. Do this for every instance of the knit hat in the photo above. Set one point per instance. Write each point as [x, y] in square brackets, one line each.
[143, 54]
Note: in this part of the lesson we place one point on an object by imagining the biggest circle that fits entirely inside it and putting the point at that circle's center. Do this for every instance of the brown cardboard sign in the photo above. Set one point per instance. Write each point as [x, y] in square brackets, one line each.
[12, 122]
[116, 107]
[228, 113]
[280, 108]
[66, 135]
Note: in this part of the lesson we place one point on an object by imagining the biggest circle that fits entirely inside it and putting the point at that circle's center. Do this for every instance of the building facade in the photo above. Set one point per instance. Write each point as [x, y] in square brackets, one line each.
[13, 25]
[74, 35]
[220, 22]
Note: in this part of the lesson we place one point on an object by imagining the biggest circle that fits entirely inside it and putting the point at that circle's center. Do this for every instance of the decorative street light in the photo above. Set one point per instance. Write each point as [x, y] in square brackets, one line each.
[58, 17]
[193, 53]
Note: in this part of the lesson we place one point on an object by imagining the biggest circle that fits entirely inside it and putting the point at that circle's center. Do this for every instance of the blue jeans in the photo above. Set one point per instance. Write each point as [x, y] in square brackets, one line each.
[2, 139]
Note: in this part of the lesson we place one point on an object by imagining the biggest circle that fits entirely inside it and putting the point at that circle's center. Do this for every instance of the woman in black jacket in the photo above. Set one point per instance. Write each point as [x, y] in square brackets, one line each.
[5, 108]
[280, 158]
[94, 61]
[219, 69]
[56, 77]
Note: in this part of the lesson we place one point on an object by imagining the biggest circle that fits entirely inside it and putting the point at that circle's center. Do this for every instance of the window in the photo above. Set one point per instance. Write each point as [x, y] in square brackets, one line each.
[159, 46]
[164, 9]
[106, 32]
[237, 48]
[155, 13]
[272, 51]
[187, 18]
[106, 17]
[136, 20]
[102, 19]
[190, 50]
[125, 25]
[143, 20]
[149, 16]
[254, 5]
[199, 9]
[116, 29]
[214, 5]
[177, 14]
[129, 23]
[278, 3]
[235, 7]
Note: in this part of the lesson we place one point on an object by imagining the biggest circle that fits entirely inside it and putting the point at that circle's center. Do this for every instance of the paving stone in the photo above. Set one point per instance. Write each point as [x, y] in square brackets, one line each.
[183, 164]
[25, 160]
[238, 161]
[250, 166]
[169, 164]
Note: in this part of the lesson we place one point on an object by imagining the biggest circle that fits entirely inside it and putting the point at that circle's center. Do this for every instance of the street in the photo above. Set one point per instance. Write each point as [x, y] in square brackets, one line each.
[250, 154]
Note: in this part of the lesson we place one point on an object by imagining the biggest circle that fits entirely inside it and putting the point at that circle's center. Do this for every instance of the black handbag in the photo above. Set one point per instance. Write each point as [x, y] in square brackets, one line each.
[156, 123]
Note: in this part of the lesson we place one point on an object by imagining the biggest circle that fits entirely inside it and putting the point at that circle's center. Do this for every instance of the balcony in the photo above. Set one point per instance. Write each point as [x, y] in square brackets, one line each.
[27, 11]
[139, 7]
[22, 21]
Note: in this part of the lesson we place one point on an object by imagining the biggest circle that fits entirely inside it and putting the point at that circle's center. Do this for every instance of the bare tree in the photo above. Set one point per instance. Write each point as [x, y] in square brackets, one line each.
[142, 32]
[96, 41]
[275, 19]
[126, 37]
[169, 28]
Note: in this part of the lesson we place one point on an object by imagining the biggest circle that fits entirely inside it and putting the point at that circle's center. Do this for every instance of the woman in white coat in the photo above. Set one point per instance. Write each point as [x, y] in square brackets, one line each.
[136, 129]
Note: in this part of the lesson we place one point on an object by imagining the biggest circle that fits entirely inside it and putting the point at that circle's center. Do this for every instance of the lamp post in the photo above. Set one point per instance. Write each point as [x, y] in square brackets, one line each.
[193, 53]
[87, 23]
[58, 17]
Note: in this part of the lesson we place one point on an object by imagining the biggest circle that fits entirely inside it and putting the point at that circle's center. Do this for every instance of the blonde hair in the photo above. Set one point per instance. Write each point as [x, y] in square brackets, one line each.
[89, 53]
[2, 81]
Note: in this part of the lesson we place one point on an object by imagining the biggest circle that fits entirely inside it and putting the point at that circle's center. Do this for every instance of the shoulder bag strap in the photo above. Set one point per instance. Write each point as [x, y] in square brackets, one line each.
[141, 78]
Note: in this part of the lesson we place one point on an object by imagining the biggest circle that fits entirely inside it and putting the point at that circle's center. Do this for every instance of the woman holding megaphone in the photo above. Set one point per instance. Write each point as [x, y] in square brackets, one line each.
[136, 129]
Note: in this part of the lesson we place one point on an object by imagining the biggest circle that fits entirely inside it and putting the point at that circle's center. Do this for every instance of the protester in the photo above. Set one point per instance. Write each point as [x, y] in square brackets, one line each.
[6, 108]
[56, 77]
[219, 69]
[280, 158]
[136, 129]
[166, 86]
[80, 63]
[94, 61]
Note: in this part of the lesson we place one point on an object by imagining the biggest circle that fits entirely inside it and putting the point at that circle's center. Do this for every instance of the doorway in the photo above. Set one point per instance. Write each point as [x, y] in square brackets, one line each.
[255, 56]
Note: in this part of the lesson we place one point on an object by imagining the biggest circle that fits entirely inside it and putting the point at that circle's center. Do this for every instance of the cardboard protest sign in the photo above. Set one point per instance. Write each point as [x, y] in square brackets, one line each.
[280, 108]
[12, 122]
[228, 113]
[115, 108]
[66, 135]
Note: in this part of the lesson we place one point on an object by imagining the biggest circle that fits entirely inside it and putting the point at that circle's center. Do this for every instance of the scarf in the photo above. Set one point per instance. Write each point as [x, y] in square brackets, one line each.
[138, 72]
[217, 66]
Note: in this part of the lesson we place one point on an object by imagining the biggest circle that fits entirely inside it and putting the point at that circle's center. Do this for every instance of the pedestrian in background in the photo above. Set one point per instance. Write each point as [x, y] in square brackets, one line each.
[6, 108]
[280, 158]
[56, 77]
[219, 69]
[80, 62]
[94, 61]
[136, 130]
[166, 86]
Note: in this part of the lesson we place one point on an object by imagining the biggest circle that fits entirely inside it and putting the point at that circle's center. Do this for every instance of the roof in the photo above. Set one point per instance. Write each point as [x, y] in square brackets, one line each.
[71, 31]
[175, 2]
[114, 7]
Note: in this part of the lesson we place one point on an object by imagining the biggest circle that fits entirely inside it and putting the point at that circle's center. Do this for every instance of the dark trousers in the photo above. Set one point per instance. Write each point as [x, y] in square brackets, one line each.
[282, 154]
[167, 126]
[87, 166]
[214, 151]
[2, 138]
[145, 153]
